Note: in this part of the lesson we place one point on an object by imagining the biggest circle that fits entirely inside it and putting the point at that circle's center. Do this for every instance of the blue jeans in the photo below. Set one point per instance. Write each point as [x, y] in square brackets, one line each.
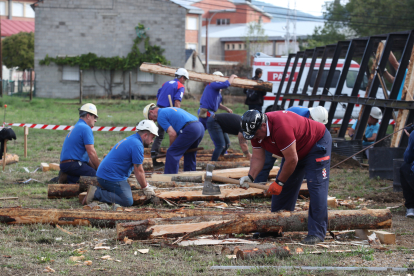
[220, 139]
[74, 170]
[118, 192]
[188, 138]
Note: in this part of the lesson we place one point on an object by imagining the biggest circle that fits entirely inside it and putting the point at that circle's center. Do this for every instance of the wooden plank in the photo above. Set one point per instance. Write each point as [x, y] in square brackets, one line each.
[203, 77]
[54, 167]
[384, 236]
[332, 202]
[8, 198]
[45, 167]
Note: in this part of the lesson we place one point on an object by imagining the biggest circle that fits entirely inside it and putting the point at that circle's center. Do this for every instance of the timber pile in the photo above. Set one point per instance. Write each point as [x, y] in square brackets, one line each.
[11, 158]
[243, 223]
[147, 164]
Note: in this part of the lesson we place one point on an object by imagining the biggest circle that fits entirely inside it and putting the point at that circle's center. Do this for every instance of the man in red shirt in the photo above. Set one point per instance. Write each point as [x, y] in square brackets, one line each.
[305, 146]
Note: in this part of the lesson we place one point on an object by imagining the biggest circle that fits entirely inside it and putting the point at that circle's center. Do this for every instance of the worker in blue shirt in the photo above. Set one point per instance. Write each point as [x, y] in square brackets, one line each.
[407, 174]
[170, 91]
[116, 167]
[318, 114]
[211, 99]
[78, 156]
[185, 132]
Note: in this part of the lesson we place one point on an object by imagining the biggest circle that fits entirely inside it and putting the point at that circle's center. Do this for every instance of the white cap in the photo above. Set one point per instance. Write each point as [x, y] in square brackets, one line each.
[319, 114]
[90, 108]
[148, 125]
[218, 73]
[147, 108]
[376, 113]
[182, 72]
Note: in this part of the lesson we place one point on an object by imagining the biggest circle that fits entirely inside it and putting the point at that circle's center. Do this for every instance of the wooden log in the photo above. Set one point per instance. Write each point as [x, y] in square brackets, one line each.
[280, 252]
[85, 181]
[236, 159]
[383, 236]
[17, 215]
[54, 167]
[11, 158]
[62, 190]
[203, 77]
[251, 222]
[222, 164]
[45, 167]
[183, 178]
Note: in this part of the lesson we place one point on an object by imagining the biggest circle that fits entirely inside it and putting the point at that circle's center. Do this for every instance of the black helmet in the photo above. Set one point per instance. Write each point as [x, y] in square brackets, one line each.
[250, 123]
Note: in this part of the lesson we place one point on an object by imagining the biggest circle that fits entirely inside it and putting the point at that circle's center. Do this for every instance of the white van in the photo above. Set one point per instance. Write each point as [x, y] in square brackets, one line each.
[273, 70]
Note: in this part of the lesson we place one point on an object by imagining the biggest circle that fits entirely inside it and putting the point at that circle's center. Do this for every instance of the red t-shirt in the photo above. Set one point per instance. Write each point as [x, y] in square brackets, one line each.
[286, 127]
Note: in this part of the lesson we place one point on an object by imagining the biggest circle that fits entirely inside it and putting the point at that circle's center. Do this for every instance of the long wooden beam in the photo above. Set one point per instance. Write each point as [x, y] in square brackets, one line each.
[203, 77]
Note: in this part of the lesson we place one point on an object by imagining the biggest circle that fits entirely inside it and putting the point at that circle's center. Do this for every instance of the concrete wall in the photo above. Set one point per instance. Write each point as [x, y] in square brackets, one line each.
[106, 28]
[194, 64]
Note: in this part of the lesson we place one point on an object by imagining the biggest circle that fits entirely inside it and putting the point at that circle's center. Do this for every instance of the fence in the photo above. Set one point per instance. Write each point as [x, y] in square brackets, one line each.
[18, 88]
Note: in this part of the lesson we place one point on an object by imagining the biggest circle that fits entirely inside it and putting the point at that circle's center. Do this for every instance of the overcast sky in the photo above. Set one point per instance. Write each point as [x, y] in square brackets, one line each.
[313, 7]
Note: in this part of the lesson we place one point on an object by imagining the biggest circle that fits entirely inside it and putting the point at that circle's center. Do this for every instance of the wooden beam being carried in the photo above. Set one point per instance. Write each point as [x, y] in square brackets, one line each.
[250, 222]
[203, 77]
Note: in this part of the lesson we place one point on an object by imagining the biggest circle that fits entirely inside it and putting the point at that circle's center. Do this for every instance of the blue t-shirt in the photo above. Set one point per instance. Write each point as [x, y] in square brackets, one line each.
[402, 86]
[74, 144]
[174, 88]
[119, 162]
[211, 97]
[409, 152]
[369, 131]
[300, 110]
[175, 117]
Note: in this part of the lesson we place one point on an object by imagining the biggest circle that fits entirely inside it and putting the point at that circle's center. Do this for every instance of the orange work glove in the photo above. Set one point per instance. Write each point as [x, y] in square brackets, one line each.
[275, 188]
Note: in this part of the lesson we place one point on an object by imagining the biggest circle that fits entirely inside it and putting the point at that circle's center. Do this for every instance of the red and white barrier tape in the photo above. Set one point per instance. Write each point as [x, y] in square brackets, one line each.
[352, 121]
[62, 127]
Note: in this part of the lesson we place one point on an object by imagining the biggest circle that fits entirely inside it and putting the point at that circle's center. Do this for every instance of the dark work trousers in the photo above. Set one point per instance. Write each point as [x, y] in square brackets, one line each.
[256, 107]
[267, 167]
[76, 169]
[316, 167]
[155, 148]
[407, 185]
[188, 138]
[220, 139]
[118, 192]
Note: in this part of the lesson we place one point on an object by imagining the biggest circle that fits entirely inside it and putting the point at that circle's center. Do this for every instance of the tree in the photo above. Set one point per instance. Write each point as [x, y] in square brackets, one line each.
[255, 39]
[18, 51]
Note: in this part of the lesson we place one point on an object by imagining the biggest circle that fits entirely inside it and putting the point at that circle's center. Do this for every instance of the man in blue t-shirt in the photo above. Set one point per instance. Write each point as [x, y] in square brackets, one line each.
[407, 174]
[116, 167]
[185, 132]
[173, 89]
[78, 156]
[211, 99]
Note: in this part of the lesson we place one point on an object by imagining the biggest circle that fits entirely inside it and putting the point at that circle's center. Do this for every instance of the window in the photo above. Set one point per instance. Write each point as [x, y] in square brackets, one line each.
[2, 8]
[118, 77]
[240, 46]
[228, 46]
[351, 78]
[29, 11]
[203, 49]
[145, 77]
[70, 73]
[223, 21]
[233, 46]
[192, 46]
[323, 79]
[17, 9]
[192, 23]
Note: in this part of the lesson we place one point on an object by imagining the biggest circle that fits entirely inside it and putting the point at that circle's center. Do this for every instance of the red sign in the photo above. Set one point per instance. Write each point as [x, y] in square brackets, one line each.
[277, 76]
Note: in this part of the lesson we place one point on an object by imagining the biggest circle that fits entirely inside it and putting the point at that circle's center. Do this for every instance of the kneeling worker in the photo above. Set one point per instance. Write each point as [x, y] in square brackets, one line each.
[185, 132]
[116, 167]
[78, 156]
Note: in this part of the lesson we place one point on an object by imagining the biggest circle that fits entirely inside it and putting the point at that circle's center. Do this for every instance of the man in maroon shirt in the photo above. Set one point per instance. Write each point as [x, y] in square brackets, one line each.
[305, 146]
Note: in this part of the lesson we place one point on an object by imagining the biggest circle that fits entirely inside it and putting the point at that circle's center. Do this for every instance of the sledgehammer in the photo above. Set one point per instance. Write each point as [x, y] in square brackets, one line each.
[234, 181]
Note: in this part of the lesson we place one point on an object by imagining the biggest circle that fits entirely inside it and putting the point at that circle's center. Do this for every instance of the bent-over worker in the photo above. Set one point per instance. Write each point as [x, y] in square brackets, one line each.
[78, 156]
[211, 99]
[306, 148]
[219, 126]
[175, 89]
[116, 167]
[185, 133]
[407, 174]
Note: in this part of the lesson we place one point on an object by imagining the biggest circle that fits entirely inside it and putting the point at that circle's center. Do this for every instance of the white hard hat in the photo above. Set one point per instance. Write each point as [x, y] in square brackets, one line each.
[376, 113]
[147, 108]
[319, 114]
[182, 72]
[218, 73]
[90, 108]
[148, 125]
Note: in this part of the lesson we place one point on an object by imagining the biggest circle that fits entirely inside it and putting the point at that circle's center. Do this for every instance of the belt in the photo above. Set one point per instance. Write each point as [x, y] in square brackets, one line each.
[190, 122]
[67, 161]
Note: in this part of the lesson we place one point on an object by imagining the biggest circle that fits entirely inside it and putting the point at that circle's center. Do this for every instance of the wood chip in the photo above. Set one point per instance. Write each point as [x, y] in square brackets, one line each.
[48, 269]
[76, 258]
[106, 257]
[87, 262]
[8, 198]
[127, 241]
[231, 256]
[102, 248]
[322, 245]
[143, 251]
[299, 250]
[63, 230]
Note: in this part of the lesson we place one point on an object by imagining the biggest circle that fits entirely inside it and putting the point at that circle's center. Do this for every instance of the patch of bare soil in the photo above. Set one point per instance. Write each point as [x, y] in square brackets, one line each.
[348, 164]
[386, 197]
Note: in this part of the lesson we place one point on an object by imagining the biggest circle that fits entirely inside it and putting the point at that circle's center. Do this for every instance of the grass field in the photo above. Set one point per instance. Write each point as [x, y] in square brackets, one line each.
[28, 249]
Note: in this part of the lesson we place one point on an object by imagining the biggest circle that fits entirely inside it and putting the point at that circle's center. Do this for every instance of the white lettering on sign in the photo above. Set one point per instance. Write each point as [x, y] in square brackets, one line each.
[277, 76]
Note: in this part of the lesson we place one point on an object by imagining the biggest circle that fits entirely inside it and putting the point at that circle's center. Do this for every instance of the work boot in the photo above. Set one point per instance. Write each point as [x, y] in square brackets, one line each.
[89, 195]
[63, 178]
[410, 213]
[311, 240]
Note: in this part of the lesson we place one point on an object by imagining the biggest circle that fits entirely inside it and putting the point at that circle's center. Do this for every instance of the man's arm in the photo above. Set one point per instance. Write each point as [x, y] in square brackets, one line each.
[243, 145]
[140, 175]
[173, 135]
[257, 161]
[177, 103]
[222, 107]
[291, 160]
[351, 132]
[93, 157]
[231, 79]
[372, 138]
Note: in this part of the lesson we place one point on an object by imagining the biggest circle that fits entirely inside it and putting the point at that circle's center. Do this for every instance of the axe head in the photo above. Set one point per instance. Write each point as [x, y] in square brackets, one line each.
[209, 188]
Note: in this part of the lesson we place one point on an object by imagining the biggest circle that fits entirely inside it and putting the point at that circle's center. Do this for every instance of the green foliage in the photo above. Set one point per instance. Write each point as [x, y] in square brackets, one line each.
[134, 59]
[321, 37]
[255, 38]
[18, 51]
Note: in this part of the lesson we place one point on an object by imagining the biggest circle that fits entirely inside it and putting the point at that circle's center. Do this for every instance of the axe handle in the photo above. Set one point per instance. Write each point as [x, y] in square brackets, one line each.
[235, 181]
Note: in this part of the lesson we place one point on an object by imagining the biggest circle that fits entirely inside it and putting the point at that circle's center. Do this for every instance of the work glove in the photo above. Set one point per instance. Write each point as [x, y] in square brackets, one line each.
[244, 181]
[275, 188]
[365, 139]
[148, 191]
